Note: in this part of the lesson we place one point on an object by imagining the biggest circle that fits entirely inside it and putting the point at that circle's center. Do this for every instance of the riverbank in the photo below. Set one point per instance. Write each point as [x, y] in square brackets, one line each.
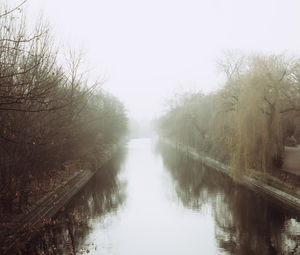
[275, 189]
[15, 233]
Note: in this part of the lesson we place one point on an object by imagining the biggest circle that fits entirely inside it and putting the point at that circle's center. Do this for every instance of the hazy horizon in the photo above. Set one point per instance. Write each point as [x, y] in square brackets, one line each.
[149, 127]
[147, 50]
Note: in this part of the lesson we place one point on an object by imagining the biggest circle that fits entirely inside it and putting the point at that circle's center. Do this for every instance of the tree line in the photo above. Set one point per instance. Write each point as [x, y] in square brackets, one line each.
[50, 113]
[247, 122]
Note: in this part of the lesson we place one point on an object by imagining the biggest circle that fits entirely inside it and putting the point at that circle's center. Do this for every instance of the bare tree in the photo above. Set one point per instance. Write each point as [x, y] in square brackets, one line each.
[48, 112]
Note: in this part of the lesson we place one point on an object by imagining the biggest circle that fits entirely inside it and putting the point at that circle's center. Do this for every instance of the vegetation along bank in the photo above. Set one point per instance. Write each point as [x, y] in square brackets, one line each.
[252, 123]
[53, 120]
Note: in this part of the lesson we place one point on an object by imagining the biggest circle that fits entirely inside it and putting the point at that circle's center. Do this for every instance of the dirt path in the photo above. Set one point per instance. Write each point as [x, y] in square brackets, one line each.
[291, 161]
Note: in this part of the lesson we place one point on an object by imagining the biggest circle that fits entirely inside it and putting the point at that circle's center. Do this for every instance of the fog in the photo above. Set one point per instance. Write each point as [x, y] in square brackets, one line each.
[147, 50]
[85, 84]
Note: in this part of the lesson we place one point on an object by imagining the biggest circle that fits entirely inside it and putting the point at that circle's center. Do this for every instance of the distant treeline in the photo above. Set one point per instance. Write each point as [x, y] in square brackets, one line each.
[248, 121]
[50, 115]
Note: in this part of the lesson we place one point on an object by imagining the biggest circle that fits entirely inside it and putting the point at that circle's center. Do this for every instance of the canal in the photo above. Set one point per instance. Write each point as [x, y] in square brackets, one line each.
[153, 200]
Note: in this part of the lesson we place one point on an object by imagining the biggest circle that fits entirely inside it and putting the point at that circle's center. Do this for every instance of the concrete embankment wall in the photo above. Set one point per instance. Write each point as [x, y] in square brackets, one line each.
[47, 207]
[284, 198]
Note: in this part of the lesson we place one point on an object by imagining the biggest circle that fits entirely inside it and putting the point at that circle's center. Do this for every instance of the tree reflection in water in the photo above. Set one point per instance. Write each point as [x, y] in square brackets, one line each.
[65, 233]
[245, 222]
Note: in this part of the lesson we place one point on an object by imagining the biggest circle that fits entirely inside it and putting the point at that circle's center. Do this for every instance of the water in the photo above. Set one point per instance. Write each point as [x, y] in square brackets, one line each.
[153, 200]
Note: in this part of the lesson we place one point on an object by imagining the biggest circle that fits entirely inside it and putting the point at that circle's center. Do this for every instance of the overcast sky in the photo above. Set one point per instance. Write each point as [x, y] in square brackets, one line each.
[150, 48]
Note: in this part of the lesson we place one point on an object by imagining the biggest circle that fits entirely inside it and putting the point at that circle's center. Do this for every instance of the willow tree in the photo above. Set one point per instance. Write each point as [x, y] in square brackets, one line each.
[257, 97]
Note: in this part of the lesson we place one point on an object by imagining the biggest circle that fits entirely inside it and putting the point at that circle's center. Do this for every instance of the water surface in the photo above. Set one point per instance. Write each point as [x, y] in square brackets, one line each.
[154, 200]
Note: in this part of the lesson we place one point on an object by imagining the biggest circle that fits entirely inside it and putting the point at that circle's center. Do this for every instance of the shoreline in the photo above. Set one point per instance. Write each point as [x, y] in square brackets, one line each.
[47, 207]
[287, 199]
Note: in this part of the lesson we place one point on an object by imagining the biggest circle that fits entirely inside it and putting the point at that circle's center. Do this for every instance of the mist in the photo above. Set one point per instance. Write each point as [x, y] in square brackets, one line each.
[147, 50]
[149, 127]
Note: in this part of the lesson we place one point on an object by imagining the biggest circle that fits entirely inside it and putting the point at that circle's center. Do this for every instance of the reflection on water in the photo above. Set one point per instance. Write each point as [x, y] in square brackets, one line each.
[245, 223]
[66, 233]
[156, 201]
